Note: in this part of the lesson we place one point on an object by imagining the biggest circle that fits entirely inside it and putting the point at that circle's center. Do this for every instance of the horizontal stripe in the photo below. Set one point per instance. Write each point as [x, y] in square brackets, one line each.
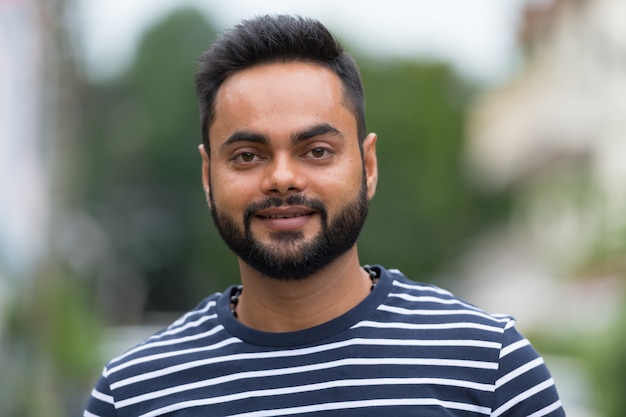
[513, 347]
[322, 386]
[365, 405]
[523, 396]
[421, 288]
[179, 329]
[509, 323]
[430, 326]
[102, 397]
[170, 342]
[519, 371]
[432, 299]
[165, 355]
[300, 369]
[433, 312]
[295, 353]
[547, 410]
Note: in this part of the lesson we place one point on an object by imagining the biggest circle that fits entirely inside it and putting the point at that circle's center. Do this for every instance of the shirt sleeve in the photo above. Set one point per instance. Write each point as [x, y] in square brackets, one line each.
[524, 386]
[101, 402]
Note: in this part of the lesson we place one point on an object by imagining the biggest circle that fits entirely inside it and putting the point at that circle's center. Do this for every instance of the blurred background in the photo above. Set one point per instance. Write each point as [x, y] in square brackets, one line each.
[502, 152]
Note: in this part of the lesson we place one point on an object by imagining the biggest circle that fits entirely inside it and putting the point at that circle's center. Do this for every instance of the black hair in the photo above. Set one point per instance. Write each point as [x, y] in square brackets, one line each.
[270, 39]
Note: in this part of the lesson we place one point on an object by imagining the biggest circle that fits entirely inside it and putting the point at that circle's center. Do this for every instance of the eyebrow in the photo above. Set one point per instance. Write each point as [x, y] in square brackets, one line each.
[244, 136]
[304, 135]
[316, 130]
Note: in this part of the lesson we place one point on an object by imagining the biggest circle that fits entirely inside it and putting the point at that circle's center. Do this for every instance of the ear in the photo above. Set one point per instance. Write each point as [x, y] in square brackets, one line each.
[371, 164]
[205, 172]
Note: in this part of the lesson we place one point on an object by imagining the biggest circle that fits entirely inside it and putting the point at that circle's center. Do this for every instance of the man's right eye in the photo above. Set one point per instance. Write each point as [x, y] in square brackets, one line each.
[245, 157]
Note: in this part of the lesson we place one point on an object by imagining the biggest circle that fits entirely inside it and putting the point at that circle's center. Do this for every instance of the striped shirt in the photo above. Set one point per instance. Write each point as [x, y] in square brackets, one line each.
[408, 349]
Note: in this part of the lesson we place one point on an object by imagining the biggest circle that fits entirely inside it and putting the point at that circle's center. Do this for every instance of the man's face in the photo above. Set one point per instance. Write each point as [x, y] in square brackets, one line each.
[287, 184]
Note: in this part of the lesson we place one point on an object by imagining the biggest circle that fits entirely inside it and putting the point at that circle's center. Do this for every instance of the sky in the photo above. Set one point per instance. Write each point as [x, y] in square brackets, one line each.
[477, 36]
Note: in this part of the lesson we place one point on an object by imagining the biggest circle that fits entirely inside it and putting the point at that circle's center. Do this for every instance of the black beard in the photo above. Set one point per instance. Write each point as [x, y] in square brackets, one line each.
[290, 259]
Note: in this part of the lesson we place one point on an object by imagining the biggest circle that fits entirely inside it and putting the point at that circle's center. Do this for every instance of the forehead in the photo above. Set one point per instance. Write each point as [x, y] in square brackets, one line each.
[279, 78]
[280, 95]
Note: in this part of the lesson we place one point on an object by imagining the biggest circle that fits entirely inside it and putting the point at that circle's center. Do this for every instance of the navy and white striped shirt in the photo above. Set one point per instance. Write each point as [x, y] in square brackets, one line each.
[408, 349]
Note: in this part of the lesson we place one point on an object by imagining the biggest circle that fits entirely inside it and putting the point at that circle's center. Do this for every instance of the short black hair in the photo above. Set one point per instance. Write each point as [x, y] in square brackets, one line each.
[270, 39]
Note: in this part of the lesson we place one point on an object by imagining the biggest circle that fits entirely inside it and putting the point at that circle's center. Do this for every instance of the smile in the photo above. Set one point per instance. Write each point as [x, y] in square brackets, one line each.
[284, 216]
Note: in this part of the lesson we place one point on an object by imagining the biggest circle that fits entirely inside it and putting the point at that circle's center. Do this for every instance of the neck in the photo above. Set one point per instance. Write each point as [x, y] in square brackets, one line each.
[272, 305]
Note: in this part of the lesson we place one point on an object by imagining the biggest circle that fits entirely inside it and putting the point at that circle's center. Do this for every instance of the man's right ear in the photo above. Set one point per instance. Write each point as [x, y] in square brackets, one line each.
[205, 172]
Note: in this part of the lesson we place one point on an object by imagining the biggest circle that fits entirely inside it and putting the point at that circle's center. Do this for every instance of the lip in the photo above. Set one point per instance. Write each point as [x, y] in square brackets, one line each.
[285, 219]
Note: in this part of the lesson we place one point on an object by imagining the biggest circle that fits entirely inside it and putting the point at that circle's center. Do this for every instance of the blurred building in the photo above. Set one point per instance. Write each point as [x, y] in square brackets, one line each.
[24, 180]
[556, 135]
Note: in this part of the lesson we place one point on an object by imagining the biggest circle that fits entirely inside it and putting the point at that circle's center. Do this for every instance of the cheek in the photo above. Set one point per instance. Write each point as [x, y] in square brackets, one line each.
[342, 187]
[231, 194]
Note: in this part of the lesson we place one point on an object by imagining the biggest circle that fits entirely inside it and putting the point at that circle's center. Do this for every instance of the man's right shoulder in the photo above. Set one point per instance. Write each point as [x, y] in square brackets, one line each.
[194, 331]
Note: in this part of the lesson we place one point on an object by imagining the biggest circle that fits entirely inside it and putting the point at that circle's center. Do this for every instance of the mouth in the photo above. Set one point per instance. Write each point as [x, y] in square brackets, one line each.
[285, 218]
[285, 212]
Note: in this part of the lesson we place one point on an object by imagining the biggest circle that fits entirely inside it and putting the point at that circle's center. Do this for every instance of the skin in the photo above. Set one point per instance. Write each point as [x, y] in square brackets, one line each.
[283, 129]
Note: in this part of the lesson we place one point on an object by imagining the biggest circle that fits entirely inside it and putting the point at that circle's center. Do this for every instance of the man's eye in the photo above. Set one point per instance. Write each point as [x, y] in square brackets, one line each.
[246, 157]
[319, 153]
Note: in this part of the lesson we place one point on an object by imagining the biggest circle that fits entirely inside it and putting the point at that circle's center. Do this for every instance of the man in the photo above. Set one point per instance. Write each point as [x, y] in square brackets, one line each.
[288, 171]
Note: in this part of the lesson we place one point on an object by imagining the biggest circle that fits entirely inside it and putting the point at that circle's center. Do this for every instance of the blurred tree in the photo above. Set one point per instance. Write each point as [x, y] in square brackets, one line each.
[142, 173]
[425, 211]
[611, 372]
[52, 340]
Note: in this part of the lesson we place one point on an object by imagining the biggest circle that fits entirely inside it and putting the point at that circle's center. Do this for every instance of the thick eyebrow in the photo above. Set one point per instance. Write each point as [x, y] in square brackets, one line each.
[244, 136]
[311, 132]
[316, 130]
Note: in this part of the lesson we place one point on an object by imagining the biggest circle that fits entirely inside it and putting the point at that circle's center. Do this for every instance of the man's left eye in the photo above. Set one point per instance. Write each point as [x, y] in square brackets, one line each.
[319, 152]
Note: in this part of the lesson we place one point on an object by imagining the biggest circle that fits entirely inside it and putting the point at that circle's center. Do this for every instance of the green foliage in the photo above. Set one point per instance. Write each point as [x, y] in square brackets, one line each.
[142, 168]
[608, 360]
[425, 210]
[51, 338]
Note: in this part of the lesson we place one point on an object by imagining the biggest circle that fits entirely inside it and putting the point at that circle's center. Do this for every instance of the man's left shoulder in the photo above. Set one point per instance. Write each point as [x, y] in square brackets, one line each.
[427, 299]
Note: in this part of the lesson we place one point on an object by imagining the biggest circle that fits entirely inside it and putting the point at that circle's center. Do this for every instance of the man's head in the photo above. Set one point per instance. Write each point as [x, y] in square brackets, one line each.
[290, 171]
[269, 39]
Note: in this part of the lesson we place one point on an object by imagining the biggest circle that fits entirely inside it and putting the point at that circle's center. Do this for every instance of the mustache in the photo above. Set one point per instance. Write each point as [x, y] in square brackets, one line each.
[292, 200]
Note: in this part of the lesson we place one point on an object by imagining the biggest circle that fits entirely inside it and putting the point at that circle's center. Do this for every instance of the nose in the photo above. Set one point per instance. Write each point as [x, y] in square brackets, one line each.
[283, 176]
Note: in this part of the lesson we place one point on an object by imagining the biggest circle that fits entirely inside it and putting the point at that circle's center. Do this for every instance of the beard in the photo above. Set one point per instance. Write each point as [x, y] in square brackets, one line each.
[289, 257]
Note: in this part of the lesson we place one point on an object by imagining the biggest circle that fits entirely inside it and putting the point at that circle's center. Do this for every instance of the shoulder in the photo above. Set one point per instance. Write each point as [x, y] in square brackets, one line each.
[197, 328]
[523, 384]
[414, 300]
